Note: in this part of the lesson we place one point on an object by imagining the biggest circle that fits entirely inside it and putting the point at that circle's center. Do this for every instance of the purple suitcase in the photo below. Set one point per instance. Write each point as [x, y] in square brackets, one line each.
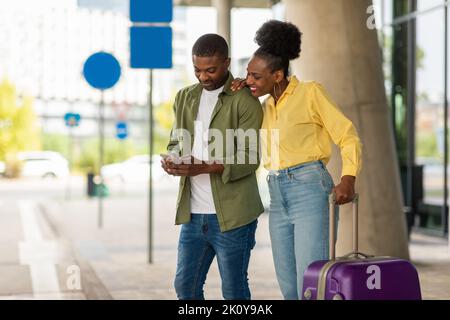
[357, 276]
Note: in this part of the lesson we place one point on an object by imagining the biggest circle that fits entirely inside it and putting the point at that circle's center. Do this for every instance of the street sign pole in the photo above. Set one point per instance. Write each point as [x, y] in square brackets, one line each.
[68, 185]
[150, 187]
[102, 71]
[101, 150]
[151, 48]
[72, 120]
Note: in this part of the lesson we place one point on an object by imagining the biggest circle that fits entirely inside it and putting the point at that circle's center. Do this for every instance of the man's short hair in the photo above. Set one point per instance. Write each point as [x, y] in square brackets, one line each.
[210, 45]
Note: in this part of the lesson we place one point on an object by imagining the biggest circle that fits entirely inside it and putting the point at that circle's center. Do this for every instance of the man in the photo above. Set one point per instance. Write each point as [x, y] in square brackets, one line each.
[218, 201]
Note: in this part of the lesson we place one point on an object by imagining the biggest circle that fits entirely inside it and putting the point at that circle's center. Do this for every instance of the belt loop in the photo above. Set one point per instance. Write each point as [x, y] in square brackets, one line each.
[322, 164]
[268, 178]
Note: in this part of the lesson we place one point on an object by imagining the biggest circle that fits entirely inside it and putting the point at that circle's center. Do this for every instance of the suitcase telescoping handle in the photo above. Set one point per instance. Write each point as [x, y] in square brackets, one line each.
[333, 205]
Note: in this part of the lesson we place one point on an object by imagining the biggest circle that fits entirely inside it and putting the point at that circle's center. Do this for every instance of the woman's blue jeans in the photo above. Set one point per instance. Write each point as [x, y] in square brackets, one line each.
[298, 222]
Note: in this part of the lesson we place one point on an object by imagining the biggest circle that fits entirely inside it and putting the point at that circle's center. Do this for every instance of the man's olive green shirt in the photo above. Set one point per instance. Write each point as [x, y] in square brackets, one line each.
[235, 190]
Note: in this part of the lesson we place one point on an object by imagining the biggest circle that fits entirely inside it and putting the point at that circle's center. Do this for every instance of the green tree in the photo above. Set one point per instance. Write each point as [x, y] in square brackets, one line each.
[164, 118]
[56, 142]
[114, 151]
[427, 145]
[18, 123]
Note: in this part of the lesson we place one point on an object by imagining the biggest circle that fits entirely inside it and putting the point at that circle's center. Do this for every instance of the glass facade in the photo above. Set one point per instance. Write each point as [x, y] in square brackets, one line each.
[413, 35]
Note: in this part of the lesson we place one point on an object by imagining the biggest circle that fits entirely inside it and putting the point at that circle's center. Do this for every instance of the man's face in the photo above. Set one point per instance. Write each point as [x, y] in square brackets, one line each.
[211, 72]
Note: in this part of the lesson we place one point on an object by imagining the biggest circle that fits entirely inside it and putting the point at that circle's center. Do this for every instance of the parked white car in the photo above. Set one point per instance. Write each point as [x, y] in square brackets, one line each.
[134, 169]
[43, 164]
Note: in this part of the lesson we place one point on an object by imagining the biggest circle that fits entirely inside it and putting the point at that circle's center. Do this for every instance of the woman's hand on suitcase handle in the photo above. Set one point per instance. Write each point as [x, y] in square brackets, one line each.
[345, 191]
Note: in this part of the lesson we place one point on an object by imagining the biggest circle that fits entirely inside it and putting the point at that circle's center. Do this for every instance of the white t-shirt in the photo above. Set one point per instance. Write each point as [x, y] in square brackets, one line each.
[201, 194]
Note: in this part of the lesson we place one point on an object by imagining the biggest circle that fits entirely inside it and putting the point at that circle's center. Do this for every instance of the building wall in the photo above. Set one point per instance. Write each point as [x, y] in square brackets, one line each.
[42, 51]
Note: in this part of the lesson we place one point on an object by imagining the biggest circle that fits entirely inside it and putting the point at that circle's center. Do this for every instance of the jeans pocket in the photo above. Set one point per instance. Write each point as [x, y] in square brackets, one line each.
[327, 181]
[307, 177]
[240, 237]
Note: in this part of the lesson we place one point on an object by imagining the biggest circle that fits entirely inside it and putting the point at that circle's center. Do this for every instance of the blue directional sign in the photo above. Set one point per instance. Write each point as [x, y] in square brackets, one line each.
[151, 10]
[121, 130]
[72, 119]
[151, 47]
[101, 70]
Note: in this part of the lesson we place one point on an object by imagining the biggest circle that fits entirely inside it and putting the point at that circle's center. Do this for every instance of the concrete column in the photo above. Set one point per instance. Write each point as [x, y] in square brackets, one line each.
[341, 52]
[223, 8]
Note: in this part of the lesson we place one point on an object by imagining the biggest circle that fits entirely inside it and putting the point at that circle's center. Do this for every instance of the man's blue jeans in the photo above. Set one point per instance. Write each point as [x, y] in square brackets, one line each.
[200, 241]
[298, 222]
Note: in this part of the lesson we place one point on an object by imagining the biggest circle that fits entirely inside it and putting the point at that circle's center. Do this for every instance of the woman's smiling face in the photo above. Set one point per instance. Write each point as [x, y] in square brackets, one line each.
[260, 79]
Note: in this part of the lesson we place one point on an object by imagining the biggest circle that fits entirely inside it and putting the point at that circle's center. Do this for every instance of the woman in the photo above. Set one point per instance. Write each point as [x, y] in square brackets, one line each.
[307, 121]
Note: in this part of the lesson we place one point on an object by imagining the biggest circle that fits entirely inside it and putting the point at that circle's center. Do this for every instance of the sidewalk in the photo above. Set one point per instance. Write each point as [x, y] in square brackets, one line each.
[35, 264]
[43, 240]
[118, 252]
[431, 256]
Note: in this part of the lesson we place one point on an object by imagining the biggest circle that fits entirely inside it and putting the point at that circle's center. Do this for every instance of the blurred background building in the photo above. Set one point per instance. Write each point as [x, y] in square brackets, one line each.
[43, 46]
[414, 39]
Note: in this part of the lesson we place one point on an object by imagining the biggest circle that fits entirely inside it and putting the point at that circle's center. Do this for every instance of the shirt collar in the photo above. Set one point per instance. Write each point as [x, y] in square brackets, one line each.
[293, 83]
[197, 89]
[227, 87]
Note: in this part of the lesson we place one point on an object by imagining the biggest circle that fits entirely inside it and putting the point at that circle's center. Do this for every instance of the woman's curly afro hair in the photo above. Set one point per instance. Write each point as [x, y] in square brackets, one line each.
[279, 42]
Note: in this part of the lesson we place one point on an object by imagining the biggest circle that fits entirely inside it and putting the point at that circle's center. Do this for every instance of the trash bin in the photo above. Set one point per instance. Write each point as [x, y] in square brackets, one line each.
[95, 188]
[100, 190]
[90, 184]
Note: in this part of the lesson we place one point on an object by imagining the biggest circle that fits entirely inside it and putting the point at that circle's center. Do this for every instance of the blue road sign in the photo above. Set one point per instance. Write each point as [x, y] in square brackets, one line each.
[151, 47]
[121, 130]
[72, 119]
[101, 70]
[151, 10]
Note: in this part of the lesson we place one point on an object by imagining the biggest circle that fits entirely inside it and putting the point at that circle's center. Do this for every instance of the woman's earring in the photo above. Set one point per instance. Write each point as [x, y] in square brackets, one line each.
[279, 87]
[275, 91]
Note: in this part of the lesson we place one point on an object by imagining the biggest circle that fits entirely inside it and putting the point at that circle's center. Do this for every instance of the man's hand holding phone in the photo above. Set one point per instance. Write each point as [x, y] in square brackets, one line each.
[170, 162]
[187, 166]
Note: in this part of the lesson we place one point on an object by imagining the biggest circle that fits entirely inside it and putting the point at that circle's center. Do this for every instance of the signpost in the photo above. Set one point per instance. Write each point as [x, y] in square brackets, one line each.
[151, 48]
[72, 120]
[102, 71]
[121, 130]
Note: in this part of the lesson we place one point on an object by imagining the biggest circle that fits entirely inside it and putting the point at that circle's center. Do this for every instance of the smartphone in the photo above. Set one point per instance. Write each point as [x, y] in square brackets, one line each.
[176, 159]
[185, 159]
